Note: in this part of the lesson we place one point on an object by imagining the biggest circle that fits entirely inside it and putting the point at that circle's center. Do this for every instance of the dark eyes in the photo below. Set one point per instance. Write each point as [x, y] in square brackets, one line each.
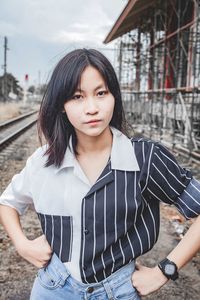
[76, 97]
[100, 93]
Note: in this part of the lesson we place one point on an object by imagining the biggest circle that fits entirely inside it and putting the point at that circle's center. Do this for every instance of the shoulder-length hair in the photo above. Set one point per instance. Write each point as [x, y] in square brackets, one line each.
[52, 122]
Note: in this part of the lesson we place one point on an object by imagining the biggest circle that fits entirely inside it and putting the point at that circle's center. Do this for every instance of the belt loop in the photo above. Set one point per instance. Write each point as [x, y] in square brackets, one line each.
[108, 289]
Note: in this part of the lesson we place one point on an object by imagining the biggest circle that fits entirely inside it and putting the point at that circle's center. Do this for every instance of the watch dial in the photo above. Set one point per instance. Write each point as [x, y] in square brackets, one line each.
[169, 269]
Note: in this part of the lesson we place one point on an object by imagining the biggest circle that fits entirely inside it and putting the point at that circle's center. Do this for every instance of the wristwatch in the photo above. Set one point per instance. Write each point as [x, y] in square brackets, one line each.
[168, 268]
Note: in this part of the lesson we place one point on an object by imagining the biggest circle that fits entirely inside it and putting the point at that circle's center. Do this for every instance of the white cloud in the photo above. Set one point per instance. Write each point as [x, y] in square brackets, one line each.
[89, 36]
[7, 27]
[39, 31]
[79, 26]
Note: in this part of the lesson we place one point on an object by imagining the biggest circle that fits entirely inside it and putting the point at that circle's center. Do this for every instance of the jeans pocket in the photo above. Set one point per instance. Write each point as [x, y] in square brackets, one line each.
[48, 278]
[125, 291]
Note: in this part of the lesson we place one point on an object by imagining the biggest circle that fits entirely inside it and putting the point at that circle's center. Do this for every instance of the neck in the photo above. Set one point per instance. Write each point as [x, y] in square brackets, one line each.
[94, 144]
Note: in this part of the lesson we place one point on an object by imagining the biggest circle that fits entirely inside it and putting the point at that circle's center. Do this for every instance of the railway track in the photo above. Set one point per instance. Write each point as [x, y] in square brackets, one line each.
[13, 128]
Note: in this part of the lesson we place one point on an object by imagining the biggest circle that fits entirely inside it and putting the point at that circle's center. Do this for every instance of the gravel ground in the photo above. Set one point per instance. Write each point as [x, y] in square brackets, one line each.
[17, 275]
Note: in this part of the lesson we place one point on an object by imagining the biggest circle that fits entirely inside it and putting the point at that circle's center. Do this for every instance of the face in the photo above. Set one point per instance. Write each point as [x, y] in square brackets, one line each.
[91, 108]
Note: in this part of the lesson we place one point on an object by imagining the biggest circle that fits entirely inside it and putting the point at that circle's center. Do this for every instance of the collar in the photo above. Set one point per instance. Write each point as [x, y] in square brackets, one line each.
[122, 154]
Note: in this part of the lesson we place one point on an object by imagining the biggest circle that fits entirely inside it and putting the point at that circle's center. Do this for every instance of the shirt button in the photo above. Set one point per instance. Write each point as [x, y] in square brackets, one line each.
[86, 231]
[90, 289]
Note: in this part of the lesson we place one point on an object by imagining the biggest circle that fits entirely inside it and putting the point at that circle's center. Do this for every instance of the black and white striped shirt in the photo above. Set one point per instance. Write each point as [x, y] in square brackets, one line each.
[119, 214]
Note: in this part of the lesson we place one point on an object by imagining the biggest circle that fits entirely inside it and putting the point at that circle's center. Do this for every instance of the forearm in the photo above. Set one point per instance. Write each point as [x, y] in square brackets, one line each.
[147, 280]
[10, 220]
[188, 246]
[37, 251]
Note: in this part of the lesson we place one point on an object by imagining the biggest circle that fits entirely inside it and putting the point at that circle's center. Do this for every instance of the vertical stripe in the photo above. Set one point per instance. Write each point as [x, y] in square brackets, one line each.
[71, 238]
[154, 224]
[136, 211]
[45, 225]
[113, 265]
[126, 206]
[104, 266]
[61, 236]
[52, 235]
[131, 246]
[120, 245]
[115, 205]
[83, 252]
[146, 231]
[143, 155]
[94, 236]
[105, 220]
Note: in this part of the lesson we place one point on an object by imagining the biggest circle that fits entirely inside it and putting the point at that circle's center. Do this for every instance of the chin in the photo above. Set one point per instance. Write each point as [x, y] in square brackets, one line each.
[94, 131]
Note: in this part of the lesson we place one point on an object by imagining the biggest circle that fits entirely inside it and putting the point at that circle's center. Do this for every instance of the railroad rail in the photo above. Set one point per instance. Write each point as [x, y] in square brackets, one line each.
[11, 129]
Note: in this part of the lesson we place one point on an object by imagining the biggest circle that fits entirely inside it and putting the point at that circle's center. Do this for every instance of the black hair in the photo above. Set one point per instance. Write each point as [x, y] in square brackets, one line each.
[52, 122]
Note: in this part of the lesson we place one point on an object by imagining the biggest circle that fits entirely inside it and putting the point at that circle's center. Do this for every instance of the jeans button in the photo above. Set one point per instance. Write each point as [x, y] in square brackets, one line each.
[90, 290]
[86, 231]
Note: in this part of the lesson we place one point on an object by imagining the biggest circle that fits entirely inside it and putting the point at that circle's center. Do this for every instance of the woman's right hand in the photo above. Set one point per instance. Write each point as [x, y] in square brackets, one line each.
[38, 251]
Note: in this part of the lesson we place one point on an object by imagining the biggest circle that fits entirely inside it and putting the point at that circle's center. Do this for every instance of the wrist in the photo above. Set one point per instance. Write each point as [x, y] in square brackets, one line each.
[168, 268]
[20, 242]
[160, 277]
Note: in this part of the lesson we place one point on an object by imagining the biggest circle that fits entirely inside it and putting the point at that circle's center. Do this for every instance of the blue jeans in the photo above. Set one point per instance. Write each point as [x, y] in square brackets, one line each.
[55, 283]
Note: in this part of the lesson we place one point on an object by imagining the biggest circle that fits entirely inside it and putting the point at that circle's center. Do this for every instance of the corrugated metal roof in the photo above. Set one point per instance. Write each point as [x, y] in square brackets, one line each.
[129, 18]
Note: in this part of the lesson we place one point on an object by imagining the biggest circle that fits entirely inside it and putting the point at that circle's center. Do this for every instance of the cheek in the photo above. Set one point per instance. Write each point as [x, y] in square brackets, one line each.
[71, 112]
[110, 106]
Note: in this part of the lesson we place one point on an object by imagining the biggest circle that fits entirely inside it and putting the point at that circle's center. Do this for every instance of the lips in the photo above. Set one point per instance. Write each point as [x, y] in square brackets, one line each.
[93, 121]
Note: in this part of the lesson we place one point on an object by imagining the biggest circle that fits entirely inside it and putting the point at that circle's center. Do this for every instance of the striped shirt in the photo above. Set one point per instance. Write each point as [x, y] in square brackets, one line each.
[99, 228]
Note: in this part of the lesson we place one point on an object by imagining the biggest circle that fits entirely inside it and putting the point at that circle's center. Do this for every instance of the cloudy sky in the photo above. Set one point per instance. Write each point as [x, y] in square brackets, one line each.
[41, 32]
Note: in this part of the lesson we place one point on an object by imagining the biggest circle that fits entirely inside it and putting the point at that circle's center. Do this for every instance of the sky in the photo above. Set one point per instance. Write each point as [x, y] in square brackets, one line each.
[41, 32]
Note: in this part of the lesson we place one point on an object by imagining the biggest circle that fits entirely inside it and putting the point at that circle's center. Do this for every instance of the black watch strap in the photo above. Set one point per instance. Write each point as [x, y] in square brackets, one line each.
[169, 269]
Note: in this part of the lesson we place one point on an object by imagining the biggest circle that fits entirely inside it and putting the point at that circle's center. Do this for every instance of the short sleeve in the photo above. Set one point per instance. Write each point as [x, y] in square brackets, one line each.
[17, 194]
[172, 184]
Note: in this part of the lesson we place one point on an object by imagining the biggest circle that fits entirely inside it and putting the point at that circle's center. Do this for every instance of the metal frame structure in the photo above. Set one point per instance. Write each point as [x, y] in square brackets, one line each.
[158, 64]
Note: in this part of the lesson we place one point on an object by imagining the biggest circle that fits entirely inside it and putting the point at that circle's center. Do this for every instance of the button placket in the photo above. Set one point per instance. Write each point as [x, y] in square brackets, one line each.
[86, 231]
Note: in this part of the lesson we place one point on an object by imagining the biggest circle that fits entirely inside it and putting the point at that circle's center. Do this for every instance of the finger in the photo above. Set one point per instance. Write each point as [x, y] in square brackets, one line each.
[138, 265]
[50, 251]
[43, 263]
[45, 258]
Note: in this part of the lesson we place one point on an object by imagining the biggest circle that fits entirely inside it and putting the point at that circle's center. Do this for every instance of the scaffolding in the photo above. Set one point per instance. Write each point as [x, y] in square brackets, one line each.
[158, 65]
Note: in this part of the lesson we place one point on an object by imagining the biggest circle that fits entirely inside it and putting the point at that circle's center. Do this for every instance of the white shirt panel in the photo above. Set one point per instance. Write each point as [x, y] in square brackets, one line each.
[59, 191]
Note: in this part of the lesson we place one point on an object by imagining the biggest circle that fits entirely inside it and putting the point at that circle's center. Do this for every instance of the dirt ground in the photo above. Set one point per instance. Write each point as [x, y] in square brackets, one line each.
[17, 275]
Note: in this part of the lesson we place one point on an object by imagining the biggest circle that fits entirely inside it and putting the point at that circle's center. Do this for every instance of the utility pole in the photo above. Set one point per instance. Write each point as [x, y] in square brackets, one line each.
[5, 92]
[5, 54]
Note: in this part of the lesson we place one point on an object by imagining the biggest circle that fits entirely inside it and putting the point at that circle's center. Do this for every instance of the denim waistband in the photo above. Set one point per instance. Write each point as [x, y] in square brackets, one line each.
[59, 269]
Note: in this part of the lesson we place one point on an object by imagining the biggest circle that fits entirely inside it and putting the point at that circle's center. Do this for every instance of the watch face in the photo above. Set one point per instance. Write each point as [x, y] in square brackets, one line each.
[169, 269]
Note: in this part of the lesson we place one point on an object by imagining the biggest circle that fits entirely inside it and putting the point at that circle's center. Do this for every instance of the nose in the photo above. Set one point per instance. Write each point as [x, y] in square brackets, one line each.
[91, 106]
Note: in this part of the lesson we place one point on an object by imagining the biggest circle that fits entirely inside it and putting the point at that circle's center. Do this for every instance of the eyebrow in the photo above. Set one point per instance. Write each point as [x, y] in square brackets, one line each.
[98, 87]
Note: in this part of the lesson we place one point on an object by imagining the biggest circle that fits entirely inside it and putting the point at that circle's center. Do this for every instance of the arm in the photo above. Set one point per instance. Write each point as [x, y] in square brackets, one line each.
[37, 251]
[147, 280]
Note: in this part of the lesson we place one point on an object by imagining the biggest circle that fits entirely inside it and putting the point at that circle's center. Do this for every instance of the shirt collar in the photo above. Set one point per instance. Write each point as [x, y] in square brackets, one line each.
[122, 154]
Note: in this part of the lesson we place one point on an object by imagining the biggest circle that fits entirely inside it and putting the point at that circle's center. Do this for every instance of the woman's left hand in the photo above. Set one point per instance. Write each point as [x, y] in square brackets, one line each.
[147, 280]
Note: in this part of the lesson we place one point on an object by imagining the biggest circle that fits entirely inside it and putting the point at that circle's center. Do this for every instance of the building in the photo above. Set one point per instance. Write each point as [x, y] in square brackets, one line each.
[158, 65]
